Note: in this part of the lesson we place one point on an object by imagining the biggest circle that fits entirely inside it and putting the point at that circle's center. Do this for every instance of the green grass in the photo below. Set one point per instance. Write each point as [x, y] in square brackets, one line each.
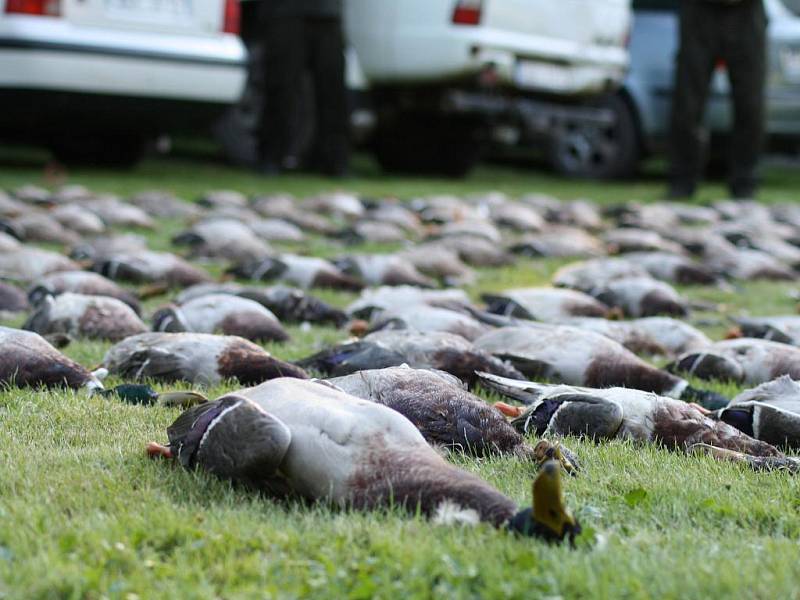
[83, 513]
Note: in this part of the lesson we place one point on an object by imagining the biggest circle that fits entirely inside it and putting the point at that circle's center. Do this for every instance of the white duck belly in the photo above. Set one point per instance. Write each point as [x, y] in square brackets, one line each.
[334, 435]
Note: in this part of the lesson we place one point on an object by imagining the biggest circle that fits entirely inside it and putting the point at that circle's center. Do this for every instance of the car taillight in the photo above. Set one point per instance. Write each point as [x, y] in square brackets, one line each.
[231, 21]
[467, 12]
[45, 8]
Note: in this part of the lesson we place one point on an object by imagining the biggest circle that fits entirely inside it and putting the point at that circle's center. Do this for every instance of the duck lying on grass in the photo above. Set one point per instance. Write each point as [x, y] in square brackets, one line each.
[309, 440]
[618, 413]
[769, 412]
[199, 358]
[744, 360]
[445, 413]
[27, 359]
[392, 348]
[575, 356]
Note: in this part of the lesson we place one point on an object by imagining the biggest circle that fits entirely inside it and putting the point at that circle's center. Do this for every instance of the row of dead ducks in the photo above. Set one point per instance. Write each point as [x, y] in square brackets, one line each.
[734, 240]
[554, 333]
[365, 439]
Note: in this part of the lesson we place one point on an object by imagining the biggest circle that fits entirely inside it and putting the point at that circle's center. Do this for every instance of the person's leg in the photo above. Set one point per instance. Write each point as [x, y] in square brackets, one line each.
[745, 53]
[331, 148]
[283, 68]
[695, 65]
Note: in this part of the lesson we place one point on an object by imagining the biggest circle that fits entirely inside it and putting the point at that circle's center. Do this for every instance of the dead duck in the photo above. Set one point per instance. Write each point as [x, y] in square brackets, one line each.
[223, 199]
[374, 300]
[744, 360]
[42, 227]
[397, 214]
[303, 271]
[276, 230]
[27, 360]
[107, 246]
[516, 216]
[81, 282]
[383, 269]
[340, 205]
[199, 358]
[78, 219]
[85, 317]
[27, 264]
[544, 304]
[309, 440]
[221, 313]
[621, 413]
[477, 250]
[590, 275]
[290, 305]
[769, 412]
[392, 348]
[437, 404]
[286, 207]
[650, 335]
[674, 268]
[12, 299]
[146, 266]
[163, 204]
[631, 239]
[559, 241]
[443, 263]
[116, 213]
[227, 239]
[425, 318]
[374, 232]
[575, 356]
[780, 328]
[641, 297]
[728, 260]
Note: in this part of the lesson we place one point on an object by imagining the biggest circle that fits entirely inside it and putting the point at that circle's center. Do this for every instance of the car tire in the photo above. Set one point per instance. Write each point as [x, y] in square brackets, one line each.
[599, 152]
[118, 151]
[414, 143]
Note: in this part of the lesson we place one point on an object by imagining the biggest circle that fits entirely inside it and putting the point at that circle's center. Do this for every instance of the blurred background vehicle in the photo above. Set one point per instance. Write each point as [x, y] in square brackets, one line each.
[441, 79]
[94, 80]
[642, 106]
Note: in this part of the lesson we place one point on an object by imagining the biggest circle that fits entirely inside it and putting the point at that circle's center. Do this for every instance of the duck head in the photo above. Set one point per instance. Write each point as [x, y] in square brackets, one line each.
[549, 518]
[39, 294]
[170, 319]
[546, 451]
[231, 437]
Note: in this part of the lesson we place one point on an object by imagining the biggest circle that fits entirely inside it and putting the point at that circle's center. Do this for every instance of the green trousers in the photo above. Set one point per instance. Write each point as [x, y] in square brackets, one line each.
[710, 32]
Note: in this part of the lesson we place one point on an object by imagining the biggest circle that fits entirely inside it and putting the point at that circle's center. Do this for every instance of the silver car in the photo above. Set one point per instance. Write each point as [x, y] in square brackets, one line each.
[642, 106]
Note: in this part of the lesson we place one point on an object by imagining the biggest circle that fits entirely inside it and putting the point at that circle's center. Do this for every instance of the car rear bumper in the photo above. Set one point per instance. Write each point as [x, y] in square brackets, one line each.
[52, 54]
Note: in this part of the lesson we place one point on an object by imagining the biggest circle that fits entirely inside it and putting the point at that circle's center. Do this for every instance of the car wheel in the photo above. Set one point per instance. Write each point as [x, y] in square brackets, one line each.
[428, 144]
[120, 151]
[598, 151]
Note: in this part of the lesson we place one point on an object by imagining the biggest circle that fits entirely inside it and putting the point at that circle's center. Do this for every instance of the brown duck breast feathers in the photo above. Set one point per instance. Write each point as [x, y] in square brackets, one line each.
[576, 357]
[26, 359]
[439, 406]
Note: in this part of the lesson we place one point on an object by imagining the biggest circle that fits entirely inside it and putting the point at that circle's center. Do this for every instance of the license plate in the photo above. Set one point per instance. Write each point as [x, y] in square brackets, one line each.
[536, 75]
[149, 10]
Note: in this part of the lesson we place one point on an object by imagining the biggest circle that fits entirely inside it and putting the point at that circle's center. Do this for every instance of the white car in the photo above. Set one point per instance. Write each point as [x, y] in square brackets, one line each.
[95, 79]
[447, 75]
